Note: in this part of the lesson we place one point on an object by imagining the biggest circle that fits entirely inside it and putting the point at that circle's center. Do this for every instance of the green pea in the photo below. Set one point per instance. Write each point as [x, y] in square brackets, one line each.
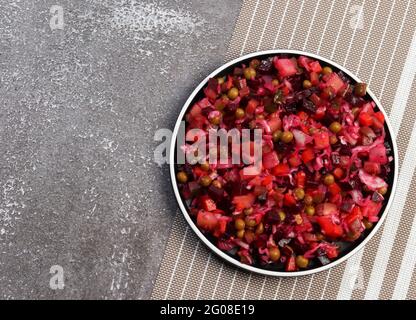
[360, 89]
[277, 135]
[240, 224]
[302, 262]
[335, 127]
[233, 93]
[329, 179]
[327, 70]
[239, 113]
[299, 193]
[205, 181]
[287, 136]
[274, 254]
[310, 210]
[182, 177]
[249, 73]
[307, 84]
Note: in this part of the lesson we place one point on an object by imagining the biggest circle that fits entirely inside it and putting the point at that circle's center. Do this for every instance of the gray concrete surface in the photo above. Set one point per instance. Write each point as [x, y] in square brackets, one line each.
[79, 108]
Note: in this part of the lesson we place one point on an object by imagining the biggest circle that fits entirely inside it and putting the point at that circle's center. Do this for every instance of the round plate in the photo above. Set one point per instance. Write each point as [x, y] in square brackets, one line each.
[346, 252]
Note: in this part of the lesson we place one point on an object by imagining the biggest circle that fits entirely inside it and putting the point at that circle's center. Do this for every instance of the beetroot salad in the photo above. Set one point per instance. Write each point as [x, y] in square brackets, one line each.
[325, 166]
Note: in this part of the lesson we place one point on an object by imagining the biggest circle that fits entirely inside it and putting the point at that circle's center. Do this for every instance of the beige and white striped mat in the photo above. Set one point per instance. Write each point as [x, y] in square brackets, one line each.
[375, 40]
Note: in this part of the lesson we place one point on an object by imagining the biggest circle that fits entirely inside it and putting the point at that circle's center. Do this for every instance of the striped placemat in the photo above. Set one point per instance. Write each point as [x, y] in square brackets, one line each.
[375, 40]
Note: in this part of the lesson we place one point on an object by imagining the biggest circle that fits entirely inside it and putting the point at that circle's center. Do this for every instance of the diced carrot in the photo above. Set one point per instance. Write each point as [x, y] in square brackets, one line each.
[307, 155]
[314, 78]
[281, 169]
[365, 119]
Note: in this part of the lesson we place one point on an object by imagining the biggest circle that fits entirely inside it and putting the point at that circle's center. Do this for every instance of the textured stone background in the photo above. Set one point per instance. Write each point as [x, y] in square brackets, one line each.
[79, 109]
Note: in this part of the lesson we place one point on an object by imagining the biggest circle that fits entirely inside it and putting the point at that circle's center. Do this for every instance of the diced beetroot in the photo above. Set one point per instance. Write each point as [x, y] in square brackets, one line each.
[368, 108]
[216, 193]
[285, 90]
[245, 257]
[290, 264]
[372, 167]
[303, 116]
[233, 175]
[371, 210]
[329, 228]
[304, 62]
[267, 180]
[338, 173]
[269, 86]
[243, 202]
[244, 92]
[285, 67]
[308, 155]
[377, 124]
[251, 106]
[226, 244]
[221, 226]
[198, 172]
[288, 85]
[208, 204]
[330, 250]
[195, 118]
[328, 94]
[248, 172]
[241, 84]
[264, 124]
[320, 112]
[206, 220]
[310, 237]
[335, 82]
[294, 161]
[289, 200]
[300, 179]
[210, 93]
[195, 110]
[281, 169]
[197, 121]
[315, 66]
[229, 83]
[275, 123]
[270, 160]
[334, 189]
[335, 198]
[290, 122]
[321, 140]
[378, 154]
[309, 64]
[256, 181]
[379, 116]
[344, 161]
[259, 190]
[353, 220]
[368, 132]
[314, 78]
[194, 186]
